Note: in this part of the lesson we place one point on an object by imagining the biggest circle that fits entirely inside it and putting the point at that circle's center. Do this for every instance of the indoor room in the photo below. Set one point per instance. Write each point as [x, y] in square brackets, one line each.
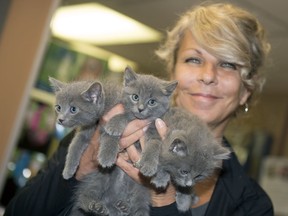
[73, 40]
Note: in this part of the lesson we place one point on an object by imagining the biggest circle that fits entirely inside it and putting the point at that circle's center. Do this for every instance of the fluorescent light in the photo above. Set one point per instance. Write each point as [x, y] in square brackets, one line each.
[116, 63]
[99, 25]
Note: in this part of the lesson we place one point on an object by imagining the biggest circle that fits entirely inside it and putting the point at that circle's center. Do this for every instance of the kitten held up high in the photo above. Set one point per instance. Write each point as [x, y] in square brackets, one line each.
[144, 97]
[109, 190]
[80, 105]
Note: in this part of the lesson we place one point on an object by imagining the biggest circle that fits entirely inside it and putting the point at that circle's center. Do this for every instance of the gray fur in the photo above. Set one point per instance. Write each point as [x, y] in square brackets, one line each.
[189, 154]
[79, 105]
[143, 97]
[110, 192]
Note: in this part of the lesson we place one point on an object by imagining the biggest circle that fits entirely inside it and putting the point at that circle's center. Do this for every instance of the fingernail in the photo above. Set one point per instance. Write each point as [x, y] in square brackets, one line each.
[145, 128]
[159, 123]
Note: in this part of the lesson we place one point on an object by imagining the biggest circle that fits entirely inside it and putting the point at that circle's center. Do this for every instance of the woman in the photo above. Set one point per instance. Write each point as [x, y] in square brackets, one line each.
[215, 52]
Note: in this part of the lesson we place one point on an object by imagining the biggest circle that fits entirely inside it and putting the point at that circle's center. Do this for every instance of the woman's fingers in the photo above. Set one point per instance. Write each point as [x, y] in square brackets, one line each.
[88, 161]
[133, 132]
[161, 127]
[117, 109]
[133, 153]
[128, 168]
[134, 126]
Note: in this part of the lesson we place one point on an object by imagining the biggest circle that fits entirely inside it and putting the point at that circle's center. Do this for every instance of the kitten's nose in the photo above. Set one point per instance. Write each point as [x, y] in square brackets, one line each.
[60, 121]
[140, 108]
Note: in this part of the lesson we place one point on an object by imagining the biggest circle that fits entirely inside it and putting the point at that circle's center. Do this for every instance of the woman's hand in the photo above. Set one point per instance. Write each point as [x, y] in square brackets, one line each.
[157, 198]
[88, 162]
[134, 130]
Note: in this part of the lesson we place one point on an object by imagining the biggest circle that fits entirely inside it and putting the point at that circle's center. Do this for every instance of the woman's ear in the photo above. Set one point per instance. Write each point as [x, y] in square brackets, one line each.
[245, 94]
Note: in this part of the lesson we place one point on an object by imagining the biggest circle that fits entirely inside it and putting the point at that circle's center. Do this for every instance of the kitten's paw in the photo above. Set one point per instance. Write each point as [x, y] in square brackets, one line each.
[160, 182]
[184, 201]
[108, 151]
[67, 173]
[111, 130]
[106, 162]
[98, 208]
[194, 199]
[149, 168]
[123, 207]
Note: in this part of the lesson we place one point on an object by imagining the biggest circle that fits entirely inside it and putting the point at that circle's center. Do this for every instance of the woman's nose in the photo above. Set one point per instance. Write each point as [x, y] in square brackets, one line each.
[208, 74]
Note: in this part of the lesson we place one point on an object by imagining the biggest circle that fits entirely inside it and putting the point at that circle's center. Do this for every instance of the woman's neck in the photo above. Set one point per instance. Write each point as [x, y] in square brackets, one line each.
[204, 189]
[218, 130]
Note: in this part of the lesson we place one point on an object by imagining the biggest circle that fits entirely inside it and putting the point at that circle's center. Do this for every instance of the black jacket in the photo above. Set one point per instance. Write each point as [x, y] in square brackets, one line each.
[49, 194]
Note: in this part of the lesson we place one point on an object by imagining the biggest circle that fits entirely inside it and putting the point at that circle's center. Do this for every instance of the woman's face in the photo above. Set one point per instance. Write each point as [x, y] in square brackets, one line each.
[208, 87]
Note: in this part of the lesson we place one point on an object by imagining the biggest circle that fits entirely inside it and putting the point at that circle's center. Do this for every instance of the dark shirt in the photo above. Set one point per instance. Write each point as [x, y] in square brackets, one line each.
[49, 194]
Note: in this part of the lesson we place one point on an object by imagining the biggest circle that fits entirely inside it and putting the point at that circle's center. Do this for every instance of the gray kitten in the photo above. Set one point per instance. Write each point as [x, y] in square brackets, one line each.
[143, 97]
[80, 105]
[189, 154]
[110, 192]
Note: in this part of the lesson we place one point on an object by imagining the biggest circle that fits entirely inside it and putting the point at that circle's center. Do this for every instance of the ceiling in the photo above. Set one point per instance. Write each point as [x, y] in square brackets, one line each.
[160, 14]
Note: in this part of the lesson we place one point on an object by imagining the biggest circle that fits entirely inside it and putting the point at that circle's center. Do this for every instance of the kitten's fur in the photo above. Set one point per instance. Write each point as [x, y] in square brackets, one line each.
[111, 191]
[144, 97]
[189, 154]
[80, 105]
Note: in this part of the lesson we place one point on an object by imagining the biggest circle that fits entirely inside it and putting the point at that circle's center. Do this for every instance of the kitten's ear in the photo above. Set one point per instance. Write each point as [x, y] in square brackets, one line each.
[129, 75]
[169, 87]
[178, 147]
[56, 84]
[93, 93]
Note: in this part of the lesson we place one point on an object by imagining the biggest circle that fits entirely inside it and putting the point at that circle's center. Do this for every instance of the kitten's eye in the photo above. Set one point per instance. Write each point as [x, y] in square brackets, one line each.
[135, 97]
[58, 108]
[73, 109]
[198, 177]
[184, 172]
[152, 102]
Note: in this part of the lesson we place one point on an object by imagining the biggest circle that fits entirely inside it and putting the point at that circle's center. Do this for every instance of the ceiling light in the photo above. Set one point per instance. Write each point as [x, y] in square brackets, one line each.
[99, 25]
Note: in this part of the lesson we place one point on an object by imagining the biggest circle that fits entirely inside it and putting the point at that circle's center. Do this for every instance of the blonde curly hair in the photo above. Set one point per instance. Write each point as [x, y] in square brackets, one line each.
[227, 32]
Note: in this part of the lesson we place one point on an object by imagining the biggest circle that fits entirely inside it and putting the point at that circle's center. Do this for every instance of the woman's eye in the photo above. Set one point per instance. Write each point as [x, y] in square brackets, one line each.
[58, 108]
[134, 97]
[193, 60]
[73, 109]
[152, 102]
[229, 65]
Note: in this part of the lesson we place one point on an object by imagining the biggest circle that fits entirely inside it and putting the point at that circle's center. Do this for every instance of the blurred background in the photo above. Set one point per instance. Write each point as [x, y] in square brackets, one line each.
[79, 39]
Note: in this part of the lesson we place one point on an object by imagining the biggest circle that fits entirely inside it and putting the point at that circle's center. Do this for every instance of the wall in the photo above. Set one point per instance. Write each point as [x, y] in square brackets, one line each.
[22, 44]
[4, 6]
[270, 115]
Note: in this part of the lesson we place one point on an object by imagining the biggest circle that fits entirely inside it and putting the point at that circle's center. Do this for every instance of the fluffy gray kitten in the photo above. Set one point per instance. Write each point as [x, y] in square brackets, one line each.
[143, 97]
[110, 192]
[189, 154]
[80, 105]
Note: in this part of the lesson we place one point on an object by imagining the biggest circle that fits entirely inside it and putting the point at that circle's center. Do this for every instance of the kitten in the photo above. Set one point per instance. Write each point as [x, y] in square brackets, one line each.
[189, 154]
[95, 195]
[143, 97]
[110, 192]
[80, 105]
